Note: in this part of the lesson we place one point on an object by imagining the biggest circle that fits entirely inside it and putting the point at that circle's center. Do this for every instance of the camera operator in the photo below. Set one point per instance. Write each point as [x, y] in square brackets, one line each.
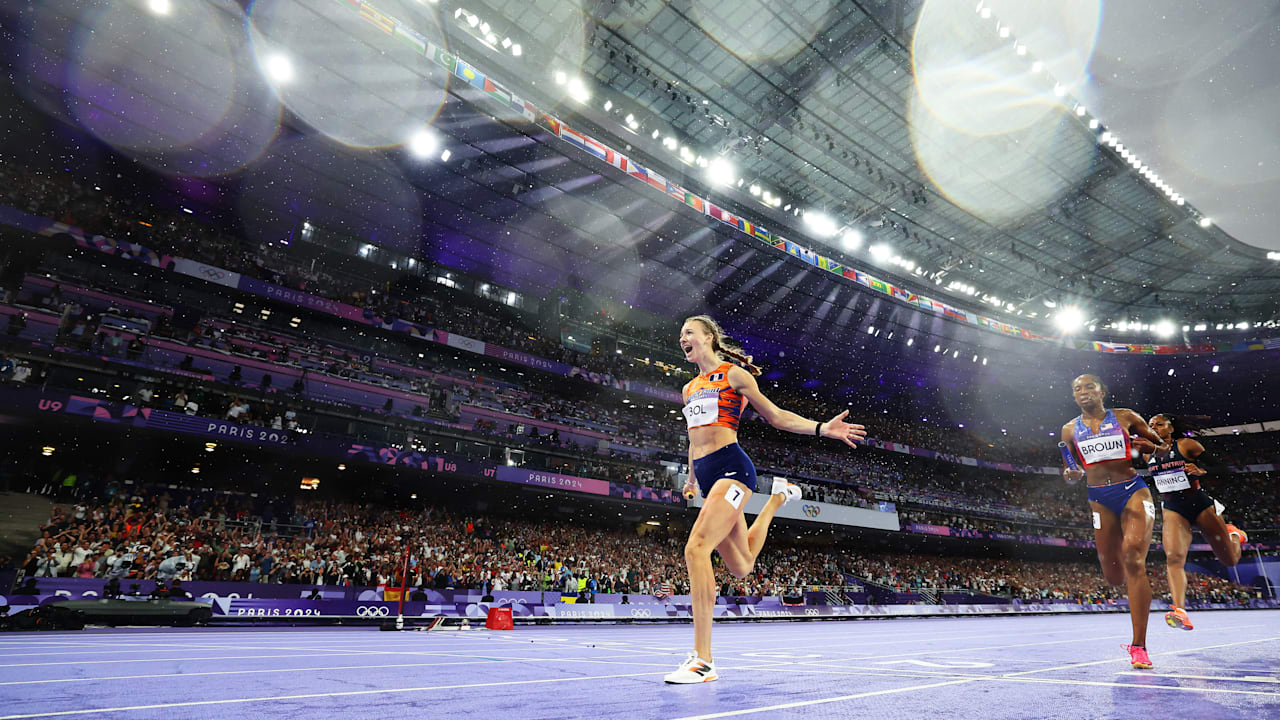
[119, 566]
[170, 567]
[177, 592]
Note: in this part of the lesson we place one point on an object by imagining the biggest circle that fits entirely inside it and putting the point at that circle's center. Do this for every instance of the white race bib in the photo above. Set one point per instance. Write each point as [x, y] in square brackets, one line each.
[702, 411]
[1172, 480]
[1104, 447]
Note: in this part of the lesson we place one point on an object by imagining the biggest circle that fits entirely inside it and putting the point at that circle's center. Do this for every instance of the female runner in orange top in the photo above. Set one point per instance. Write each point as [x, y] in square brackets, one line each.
[722, 472]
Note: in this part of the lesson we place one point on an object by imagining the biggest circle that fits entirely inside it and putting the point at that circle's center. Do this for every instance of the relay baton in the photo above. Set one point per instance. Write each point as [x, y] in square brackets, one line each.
[1067, 456]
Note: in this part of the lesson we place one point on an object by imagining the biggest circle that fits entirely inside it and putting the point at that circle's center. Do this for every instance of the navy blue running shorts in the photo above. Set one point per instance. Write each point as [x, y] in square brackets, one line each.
[727, 462]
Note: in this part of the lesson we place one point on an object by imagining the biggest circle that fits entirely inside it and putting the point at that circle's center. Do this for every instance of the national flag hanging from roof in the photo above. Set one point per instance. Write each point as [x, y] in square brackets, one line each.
[465, 71]
[581, 141]
[721, 214]
[442, 58]
[550, 122]
[378, 19]
[762, 234]
[412, 38]
[655, 180]
[525, 107]
[827, 263]
[497, 92]
[694, 202]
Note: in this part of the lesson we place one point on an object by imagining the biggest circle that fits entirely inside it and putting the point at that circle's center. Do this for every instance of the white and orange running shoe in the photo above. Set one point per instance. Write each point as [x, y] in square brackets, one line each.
[1178, 620]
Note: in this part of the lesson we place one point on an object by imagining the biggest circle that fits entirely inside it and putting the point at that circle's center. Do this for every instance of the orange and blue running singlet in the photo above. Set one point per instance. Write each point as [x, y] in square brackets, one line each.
[709, 400]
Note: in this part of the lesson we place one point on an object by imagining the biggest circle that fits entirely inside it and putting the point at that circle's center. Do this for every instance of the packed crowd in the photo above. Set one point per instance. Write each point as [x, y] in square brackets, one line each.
[1030, 580]
[829, 475]
[130, 531]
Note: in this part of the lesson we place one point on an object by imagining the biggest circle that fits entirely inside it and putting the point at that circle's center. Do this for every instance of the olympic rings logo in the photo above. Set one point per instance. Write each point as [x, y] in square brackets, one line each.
[373, 611]
[812, 510]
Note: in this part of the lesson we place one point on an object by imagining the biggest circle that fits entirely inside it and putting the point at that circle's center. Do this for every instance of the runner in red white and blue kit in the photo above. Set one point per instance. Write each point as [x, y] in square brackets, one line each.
[1123, 512]
[1177, 476]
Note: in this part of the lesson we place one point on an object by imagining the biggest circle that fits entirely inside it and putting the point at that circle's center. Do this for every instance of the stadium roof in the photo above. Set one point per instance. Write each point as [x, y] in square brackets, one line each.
[818, 105]
[819, 102]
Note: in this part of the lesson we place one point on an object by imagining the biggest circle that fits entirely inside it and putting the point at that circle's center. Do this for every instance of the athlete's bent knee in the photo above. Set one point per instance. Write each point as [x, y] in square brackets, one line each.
[740, 571]
[1133, 560]
[1175, 559]
[698, 545]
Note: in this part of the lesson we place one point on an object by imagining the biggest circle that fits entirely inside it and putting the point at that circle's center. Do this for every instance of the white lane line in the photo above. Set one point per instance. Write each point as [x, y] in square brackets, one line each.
[1159, 654]
[1240, 678]
[960, 678]
[460, 654]
[807, 703]
[191, 648]
[841, 663]
[1001, 647]
[349, 693]
[604, 659]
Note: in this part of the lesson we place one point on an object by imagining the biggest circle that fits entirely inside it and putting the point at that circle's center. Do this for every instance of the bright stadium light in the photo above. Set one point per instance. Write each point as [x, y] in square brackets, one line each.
[851, 240]
[821, 225]
[578, 90]
[721, 172]
[1164, 328]
[1205, 222]
[1069, 319]
[159, 7]
[880, 251]
[422, 144]
[516, 50]
[279, 68]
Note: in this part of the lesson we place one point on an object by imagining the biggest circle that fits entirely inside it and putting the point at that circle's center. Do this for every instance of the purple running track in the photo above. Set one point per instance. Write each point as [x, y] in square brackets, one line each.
[967, 667]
